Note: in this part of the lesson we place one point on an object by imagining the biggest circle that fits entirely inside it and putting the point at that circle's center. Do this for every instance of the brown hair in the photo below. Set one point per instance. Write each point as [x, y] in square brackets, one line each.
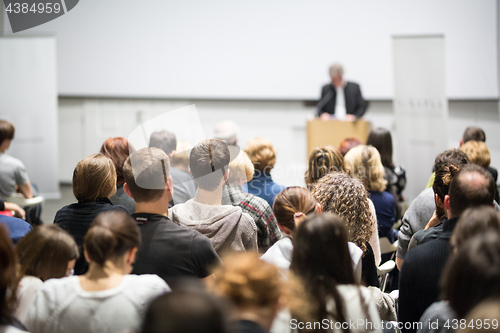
[111, 235]
[240, 168]
[473, 133]
[477, 152]
[486, 311]
[45, 251]
[208, 162]
[322, 161]
[290, 201]
[363, 162]
[8, 284]
[262, 154]
[117, 149]
[451, 156]
[475, 221]
[348, 144]
[7, 130]
[181, 156]
[381, 139]
[442, 180]
[94, 177]
[146, 171]
[343, 195]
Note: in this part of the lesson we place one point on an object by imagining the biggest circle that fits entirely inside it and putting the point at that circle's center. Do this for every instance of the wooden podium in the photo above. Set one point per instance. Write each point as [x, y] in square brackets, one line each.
[333, 132]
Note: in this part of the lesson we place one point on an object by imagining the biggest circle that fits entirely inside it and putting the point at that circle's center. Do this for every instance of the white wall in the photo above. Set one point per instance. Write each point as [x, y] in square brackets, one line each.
[86, 123]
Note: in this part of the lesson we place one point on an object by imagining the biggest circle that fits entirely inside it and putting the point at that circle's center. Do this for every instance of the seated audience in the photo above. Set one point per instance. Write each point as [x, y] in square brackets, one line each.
[118, 149]
[475, 221]
[473, 133]
[12, 207]
[340, 194]
[347, 144]
[94, 182]
[423, 206]
[254, 287]
[363, 163]
[322, 161]
[16, 227]
[184, 185]
[381, 139]
[227, 131]
[47, 252]
[240, 171]
[471, 187]
[327, 288]
[263, 156]
[169, 250]
[107, 298]
[227, 227]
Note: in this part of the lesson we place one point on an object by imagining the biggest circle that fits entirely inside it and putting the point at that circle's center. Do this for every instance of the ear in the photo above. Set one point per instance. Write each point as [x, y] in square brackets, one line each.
[447, 202]
[461, 142]
[86, 255]
[127, 190]
[318, 208]
[131, 255]
[285, 230]
[169, 184]
[438, 201]
[171, 155]
[226, 175]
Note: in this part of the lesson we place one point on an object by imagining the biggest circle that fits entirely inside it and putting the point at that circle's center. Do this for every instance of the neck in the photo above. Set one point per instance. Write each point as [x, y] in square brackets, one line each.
[159, 207]
[109, 269]
[212, 198]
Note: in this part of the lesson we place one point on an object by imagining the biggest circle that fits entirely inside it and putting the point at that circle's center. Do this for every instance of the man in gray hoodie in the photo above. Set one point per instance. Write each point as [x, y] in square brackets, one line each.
[227, 227]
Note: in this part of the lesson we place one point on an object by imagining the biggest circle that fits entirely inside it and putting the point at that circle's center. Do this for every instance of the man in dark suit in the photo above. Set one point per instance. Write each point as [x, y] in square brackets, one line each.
[340, 99]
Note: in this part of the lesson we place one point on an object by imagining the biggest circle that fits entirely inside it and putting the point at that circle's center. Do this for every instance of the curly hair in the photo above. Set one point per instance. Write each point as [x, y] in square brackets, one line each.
[322, 161]
[346, 196]
[262, 154]
[363, 162]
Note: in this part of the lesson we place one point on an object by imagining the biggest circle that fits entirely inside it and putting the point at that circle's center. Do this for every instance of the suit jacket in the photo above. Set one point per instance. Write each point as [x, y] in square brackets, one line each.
[354, 102]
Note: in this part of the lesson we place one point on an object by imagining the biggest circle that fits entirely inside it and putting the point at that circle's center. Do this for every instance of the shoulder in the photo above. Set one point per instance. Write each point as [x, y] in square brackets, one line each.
[326, 87]
[147, 283]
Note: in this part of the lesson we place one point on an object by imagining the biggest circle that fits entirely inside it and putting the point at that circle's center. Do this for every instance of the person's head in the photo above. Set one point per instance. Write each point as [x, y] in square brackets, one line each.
[346, 196]
[209, 162]
[262, 154]
[114, 238]
[322, 161]
[227, 131]
[441, 185]
[117, 149]
[473, 133]
[336, 72]
[292, 205]
[47, 252]
[181, 157]
[252, 285]
[363, 162]
[381, 139]
[472, 186]
[477, 153]
[454, 157]
[94, 177]
[7, 132]
[473, 273]
[486, 312]
[163, 140]
[240, 169]
[348, 144]
[146, 174]
[475, 221]
[186, 311]
[8, 274]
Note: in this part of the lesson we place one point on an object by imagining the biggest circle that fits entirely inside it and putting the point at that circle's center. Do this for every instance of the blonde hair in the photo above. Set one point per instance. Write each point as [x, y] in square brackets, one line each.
[477, 152]
[322, 161]
[262, 154]
[364, 163]
[94, 177]
[181, 156]
[240, 167]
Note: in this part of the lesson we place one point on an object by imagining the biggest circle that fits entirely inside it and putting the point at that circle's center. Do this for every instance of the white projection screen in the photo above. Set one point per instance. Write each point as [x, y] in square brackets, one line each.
[256, 49]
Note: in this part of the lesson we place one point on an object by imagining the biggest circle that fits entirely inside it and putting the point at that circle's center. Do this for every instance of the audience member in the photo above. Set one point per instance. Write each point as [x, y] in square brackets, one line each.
[381, 139]
[254, 287]
[12, 207]
[363, 162]
[167, 249]
[322, 161]
[340, 194]
[471, 187]
[94, 182]
[184, 185]
[263, 156]
[240, 171]
[475, 221]
[118, 149]
[180, 159]
[423, 206]
[347, 144]
[107, 298]
[327, 288]
[45, 253]
[227, 131]
[16, 227]
[227, 227]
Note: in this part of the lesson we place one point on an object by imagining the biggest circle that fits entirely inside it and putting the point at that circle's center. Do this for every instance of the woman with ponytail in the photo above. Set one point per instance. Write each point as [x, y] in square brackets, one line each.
[322, 161]
[107, 298]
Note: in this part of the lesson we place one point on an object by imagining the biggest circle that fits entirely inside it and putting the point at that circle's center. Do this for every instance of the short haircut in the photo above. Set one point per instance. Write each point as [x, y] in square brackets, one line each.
[240, 168]
[164, 140]
[45, 252]
[261, 153]
[7, 130]
[94, 177]
[227, 131]
[450, 156]
[146, 172]
[117, 149]
[475, 221]
[322, 161]
[473, 133]
[363, 163]
[336, 69]
[477, 152]
[208, 162]
[473, 186]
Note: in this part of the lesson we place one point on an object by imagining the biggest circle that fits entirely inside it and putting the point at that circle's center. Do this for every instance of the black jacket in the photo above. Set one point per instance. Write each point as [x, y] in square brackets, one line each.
[354, 102]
